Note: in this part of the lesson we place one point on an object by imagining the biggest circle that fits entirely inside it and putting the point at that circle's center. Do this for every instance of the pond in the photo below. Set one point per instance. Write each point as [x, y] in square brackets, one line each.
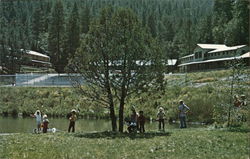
[21, 125]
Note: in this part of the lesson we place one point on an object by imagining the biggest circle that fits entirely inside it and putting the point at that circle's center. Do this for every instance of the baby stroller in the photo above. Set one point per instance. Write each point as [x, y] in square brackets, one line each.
[132, 127]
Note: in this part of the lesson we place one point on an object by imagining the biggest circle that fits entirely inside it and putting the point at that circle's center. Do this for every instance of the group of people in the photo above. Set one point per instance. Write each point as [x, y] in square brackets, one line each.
[42, 122]
[137, 121]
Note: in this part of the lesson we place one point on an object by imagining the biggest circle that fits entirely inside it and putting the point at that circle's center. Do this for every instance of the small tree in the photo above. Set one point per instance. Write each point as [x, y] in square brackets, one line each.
[227, 112]
[116, 59]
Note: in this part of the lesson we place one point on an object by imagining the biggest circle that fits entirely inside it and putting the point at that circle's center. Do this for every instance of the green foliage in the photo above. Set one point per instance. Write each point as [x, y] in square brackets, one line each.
[56, 37]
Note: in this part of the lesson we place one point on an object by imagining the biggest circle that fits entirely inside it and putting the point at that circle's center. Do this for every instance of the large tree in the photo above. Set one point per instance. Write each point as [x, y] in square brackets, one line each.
[117, 58]
[56, 37]
[237, 30]
[72, 34]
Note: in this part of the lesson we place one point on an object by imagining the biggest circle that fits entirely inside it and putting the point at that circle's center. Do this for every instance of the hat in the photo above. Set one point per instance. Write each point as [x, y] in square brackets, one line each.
[161, 109]
[45, 116]
[73, 110]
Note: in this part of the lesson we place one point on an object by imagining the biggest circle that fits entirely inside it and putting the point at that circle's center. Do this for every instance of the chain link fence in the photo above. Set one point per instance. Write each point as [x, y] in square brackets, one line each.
[34, 79]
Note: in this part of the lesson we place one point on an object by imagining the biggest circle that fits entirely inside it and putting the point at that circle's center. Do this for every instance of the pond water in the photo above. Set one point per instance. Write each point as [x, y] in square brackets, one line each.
[21, 125]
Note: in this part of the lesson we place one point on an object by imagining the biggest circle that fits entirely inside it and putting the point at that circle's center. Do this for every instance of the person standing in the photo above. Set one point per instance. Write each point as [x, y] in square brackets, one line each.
[38, 117]
[141, 121]
[183, 109]
[134, 117]
[45, 123]
[72, 120]
[161, 116]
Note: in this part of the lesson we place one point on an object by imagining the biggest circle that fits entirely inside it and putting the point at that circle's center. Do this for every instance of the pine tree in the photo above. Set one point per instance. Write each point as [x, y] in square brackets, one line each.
[237, 31]
[152, 24]
[85, 20]
[56, 37]
[36, 27]
[72, 33]
[204, 31]
[222, 14]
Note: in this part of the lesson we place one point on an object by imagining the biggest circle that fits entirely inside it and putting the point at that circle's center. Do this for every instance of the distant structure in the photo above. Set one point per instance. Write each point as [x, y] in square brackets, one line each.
[213, 56]
[36, 59]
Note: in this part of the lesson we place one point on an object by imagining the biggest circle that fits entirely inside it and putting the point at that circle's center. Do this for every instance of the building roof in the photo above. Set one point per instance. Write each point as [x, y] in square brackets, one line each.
[172, 62]
[212, 46]
[187, 56]
[227, 48]
[36, 53]
[246, 55]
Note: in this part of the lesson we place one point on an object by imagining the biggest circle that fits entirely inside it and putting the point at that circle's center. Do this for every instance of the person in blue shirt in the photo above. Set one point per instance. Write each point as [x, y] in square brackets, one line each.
[183, 109]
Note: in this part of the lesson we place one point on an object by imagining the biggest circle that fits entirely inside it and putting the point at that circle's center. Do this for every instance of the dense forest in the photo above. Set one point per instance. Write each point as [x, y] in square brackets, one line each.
[56, 27]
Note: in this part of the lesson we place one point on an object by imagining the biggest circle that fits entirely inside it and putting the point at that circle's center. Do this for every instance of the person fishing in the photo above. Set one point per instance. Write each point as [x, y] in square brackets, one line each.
[38, 117]
[72, 120]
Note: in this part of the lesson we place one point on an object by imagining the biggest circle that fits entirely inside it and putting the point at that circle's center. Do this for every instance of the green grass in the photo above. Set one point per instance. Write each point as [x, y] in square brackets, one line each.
[176, 143]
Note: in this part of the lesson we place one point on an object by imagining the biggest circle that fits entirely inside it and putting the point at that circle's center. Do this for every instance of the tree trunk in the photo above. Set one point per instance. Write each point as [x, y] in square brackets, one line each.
[111, 104]
[112, 116]
[121, 110]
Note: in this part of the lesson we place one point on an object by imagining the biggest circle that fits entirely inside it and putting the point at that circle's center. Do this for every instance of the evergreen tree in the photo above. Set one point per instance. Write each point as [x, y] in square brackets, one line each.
[152, 24]
[204, 31]
[166, 33]
[85, 20]
[221, 16]
[72, 33]
[37, 27]
[56, 37]
[237, 31]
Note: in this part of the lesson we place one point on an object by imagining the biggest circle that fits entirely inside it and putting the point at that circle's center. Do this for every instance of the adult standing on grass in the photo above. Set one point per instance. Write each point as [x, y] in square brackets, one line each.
[183, 109]
[72, 120]
[38, 117]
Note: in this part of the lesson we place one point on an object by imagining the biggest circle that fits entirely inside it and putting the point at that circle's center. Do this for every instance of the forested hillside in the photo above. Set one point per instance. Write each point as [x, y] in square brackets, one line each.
[56, 27]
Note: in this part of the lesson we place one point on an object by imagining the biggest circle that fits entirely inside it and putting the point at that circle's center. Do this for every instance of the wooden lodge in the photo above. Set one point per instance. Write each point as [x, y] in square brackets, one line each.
[213, 56]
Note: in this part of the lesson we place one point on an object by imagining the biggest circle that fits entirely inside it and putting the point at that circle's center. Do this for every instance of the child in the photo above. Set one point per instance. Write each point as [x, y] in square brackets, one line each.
[141, 121]
[161, 116]
[45, 123]
[72, 120]
[38, 117]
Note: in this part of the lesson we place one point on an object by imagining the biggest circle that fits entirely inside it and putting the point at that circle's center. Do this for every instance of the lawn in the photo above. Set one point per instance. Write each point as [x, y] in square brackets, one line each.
[175, 143]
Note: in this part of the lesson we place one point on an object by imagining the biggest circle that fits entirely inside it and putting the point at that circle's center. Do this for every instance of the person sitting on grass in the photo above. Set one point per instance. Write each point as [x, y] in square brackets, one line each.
[161, 116]
[72, 120]
[141, 121]
[45, 123]
[38, 117]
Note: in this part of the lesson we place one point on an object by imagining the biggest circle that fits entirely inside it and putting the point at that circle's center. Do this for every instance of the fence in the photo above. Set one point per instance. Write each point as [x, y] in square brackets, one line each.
[33, 79]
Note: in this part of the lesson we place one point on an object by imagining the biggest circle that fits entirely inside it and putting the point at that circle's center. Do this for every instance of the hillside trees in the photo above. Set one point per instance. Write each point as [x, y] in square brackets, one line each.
[56, 38]
[72, 33]
[237, 30]
[129, 67]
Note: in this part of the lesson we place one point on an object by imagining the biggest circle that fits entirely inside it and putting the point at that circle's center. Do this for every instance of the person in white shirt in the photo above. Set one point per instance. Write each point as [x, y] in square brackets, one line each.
[183, 109]
[38, 117]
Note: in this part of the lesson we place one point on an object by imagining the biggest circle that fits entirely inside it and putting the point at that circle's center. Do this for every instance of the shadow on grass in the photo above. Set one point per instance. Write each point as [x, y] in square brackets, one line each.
[239, 129]
[113, 135]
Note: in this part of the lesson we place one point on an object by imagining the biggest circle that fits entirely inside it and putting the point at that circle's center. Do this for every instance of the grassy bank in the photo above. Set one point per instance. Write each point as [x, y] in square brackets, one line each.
[202, 92]
[177, 143]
